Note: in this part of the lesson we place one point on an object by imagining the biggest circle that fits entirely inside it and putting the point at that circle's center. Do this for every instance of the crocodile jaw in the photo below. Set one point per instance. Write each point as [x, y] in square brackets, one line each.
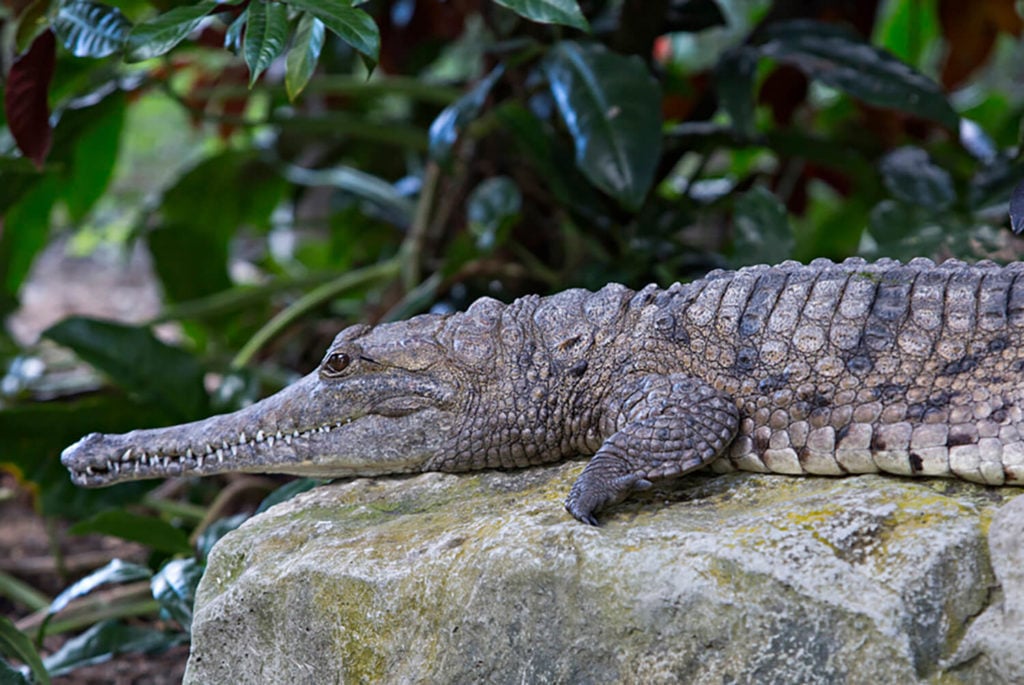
[309, 428]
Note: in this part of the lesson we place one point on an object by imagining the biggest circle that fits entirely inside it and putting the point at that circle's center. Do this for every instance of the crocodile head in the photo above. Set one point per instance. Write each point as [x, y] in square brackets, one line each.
[384, 399]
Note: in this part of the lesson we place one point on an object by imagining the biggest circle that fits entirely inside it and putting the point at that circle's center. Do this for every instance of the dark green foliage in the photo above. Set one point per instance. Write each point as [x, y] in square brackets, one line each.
[364, 161]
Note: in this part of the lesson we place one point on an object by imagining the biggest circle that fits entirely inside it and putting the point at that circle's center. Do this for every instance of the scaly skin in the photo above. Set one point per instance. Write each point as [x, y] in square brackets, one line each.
[826, 369]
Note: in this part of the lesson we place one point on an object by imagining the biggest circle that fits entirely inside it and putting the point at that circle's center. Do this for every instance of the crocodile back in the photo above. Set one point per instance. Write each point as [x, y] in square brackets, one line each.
[858, 367]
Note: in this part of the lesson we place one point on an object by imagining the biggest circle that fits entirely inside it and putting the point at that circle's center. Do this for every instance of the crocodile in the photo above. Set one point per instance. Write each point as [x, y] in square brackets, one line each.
[831, 369]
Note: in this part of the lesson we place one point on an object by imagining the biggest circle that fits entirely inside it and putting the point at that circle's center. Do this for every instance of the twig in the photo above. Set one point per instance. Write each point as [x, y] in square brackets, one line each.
[311, 300]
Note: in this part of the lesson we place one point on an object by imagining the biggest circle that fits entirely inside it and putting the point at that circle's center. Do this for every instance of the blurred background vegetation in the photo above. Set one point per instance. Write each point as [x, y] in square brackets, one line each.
[235, 181]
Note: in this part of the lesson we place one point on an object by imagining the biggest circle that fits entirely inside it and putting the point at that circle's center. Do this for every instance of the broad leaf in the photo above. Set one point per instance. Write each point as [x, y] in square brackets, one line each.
[549, 11]
[1017, 209]
[104, 641]
[611, 106]
[282, 494]
[911, 176]
[14, 643]
[35, 433]
[265, 35]
[92, 147]
[354, 26]
[89, 29]
[149, 530]
[693, 16]
[734, 83]
[117, 571]
[838, 57]
[552, 160]
[202, 212]
[905, 231]
[493, 207]
[304, 54]
[10, 675]
[174, 586]
[26, 226]
[159, 35]
[763, 234]
[456, 116]
[138, 362]
[397, 208]
[25, 98]
[221, 527]
[235, 31]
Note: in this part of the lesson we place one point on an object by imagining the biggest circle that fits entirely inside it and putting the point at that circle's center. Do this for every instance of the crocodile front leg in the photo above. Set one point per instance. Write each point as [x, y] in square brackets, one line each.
[665, 426]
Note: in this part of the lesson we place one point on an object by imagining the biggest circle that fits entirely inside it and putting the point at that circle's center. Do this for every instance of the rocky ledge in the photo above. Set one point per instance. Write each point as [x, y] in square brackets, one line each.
[722, 579]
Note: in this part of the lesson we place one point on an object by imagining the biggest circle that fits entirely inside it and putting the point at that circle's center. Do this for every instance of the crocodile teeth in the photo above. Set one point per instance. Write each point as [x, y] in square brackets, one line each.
[234, 450]
[260, 436]
[270, 441]
[144, 459]
[243, 438]
[200, 461]
[220, 456]
[167, 462]
[190, 454]
[295, 434]
[114, 467]
[89, 471]
[209, 450]
[127, 456]
[288, 439]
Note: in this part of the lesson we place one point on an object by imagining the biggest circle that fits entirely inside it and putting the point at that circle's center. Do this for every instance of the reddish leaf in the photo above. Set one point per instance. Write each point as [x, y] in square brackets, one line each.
[970, 30]
[25, 101]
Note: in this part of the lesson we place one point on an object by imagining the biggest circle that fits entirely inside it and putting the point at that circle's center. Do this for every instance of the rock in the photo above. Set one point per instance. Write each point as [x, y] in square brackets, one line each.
[731, 579]
[997, 635]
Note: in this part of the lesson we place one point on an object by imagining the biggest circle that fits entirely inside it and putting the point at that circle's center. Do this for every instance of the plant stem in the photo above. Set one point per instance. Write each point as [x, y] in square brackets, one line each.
[310, 301]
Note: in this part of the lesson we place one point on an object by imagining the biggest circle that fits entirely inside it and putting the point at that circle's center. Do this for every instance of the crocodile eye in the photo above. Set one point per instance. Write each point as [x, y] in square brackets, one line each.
[336, 363]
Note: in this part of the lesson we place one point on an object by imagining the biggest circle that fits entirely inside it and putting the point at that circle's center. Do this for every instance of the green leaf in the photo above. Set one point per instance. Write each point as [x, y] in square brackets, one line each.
[89, 29]
[266, 32]
[456, 116]
[14, 643]
[911, 176]
[174, 586]
[10, 675]
[233, 34]
[612, 107]
[304, 54]
[34, 435]
[106, 640]
[285, 493]
[397, 208]
[993, 183]
[222, 526]
[1017, 209]
[763, 234]
[354, 26]
[551, 159]
[149, 530]
[693, 16]
[838, 57]
[904, 231]
[734, 83]
[492, 209]
[117, 571]
[159, 35]
[201, 214]
[93, 152]
[138, 362]
[26, 227]
[549, 11]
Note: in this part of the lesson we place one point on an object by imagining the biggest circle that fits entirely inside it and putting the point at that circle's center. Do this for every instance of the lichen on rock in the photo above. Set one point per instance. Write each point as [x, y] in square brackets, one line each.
[484, 578]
